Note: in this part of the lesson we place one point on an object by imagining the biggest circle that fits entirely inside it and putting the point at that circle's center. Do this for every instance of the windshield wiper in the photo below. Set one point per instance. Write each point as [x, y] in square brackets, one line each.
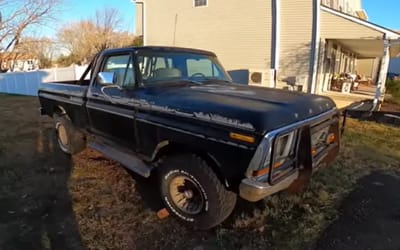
[203, 80]
[191, 81]
[216, 79]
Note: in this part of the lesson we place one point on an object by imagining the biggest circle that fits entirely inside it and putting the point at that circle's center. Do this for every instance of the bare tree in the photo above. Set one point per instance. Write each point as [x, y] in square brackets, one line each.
[79, 38]
[40, 48]
[107, 23]
[18, 15]
[85, 38]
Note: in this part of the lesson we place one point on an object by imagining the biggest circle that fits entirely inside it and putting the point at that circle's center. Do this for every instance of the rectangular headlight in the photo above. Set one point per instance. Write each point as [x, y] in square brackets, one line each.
[260, 164]
[284, 146]
[284, 151]
[280, 149]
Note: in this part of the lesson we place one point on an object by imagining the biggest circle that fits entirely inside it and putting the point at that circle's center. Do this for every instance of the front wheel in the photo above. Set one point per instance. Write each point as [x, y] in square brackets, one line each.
[193, 193]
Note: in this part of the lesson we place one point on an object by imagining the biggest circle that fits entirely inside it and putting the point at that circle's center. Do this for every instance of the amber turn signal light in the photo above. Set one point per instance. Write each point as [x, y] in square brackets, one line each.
[277, 165]
[313, 151]
[240, 137]
[261, 172]
[331, 138]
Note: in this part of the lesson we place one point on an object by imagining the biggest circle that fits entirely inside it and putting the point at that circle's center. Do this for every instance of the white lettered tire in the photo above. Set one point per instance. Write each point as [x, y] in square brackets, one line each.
[192, 192]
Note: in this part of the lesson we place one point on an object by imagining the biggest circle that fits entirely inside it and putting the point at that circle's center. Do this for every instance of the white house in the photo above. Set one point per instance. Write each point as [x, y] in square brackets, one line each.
[18, 62]
[302, 42]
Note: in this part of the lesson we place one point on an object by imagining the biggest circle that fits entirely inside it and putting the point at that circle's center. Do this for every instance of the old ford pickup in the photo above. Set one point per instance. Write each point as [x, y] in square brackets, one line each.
[175, 114]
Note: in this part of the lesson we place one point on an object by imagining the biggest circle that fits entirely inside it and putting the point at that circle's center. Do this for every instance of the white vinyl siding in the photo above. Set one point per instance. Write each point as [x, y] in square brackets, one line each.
[365, 67]
[296, 35]
[238, 31]
[333, 26]
[346, 6]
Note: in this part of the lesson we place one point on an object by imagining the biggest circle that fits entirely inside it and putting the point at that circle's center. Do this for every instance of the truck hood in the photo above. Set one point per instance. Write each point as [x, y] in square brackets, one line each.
[249, 108]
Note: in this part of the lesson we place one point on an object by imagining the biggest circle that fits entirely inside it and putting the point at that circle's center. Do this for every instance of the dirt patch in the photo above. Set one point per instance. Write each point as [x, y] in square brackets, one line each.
[51, 201]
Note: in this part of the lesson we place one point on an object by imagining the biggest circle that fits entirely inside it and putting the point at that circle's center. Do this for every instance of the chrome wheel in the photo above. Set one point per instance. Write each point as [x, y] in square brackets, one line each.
[186, 195]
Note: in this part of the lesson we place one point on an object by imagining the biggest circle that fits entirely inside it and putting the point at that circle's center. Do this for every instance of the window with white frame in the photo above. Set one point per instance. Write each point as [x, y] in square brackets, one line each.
[199, 3]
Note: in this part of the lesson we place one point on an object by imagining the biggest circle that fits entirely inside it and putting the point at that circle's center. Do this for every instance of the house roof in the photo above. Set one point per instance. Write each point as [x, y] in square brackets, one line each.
[361, 37]
[16, 56]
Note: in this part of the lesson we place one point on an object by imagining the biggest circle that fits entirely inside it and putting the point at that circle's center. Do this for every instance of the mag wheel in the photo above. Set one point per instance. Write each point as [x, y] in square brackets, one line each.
[192, 192]
[186, 194]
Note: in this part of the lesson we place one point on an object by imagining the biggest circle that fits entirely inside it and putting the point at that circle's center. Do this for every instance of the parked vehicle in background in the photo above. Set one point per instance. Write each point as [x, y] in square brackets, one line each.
[174, 113]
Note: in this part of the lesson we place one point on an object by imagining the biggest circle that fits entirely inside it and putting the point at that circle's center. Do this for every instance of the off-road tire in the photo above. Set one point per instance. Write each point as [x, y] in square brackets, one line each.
[74, 141]
[218, 201]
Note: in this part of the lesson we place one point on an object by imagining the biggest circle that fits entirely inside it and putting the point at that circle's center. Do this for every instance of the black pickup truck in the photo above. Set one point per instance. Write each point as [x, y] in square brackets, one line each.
[175, 115]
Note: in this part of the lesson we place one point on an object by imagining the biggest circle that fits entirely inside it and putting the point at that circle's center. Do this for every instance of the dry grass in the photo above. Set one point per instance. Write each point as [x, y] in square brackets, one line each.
[111, 213]
[101, 207]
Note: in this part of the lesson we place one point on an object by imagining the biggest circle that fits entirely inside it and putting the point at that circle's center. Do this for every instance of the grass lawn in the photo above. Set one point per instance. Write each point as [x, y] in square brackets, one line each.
[51, 201]
[118, 217]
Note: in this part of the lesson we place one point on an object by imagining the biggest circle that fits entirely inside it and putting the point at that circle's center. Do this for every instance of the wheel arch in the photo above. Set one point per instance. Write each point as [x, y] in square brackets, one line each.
[59, 110]
[62, 111]
[166, 148]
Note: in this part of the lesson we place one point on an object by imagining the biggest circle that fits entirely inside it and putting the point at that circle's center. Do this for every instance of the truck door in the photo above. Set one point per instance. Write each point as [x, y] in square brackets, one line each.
[110, 114]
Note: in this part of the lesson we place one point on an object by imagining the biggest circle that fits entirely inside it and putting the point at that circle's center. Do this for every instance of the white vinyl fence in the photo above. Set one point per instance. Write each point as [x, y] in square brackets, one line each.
[27, 83]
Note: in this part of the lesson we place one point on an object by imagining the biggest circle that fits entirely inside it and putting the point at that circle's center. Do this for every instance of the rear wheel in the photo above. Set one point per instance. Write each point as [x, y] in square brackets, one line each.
[70, 140]
[193, 193]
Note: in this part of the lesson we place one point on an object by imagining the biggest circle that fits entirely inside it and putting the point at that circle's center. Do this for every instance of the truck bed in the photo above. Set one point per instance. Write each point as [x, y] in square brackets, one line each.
[68, 95]
[74, 82]
[67, 88]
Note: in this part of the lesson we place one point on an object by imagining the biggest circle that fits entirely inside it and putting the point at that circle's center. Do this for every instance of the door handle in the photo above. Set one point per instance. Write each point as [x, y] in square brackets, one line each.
[95, 94]
[110, 99]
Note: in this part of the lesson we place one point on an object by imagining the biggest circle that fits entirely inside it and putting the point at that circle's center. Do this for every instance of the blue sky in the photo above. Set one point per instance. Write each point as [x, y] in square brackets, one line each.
[383, 12]
[75, 10]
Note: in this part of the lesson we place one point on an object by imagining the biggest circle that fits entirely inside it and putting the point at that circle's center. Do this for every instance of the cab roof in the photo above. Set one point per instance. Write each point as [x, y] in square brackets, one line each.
[160, 49]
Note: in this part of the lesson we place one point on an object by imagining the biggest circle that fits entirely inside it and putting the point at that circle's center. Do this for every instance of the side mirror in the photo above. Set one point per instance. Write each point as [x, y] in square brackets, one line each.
[107, 78]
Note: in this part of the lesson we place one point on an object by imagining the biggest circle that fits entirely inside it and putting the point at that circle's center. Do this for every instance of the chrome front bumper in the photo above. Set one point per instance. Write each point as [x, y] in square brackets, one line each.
[256, 188]
[252, 190]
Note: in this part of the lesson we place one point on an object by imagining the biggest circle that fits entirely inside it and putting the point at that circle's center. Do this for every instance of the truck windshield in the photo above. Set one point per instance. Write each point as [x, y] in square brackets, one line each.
[163, 66]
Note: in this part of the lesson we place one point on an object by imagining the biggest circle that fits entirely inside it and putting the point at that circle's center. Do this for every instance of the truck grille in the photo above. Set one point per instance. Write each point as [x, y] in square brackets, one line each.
[320, 134]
